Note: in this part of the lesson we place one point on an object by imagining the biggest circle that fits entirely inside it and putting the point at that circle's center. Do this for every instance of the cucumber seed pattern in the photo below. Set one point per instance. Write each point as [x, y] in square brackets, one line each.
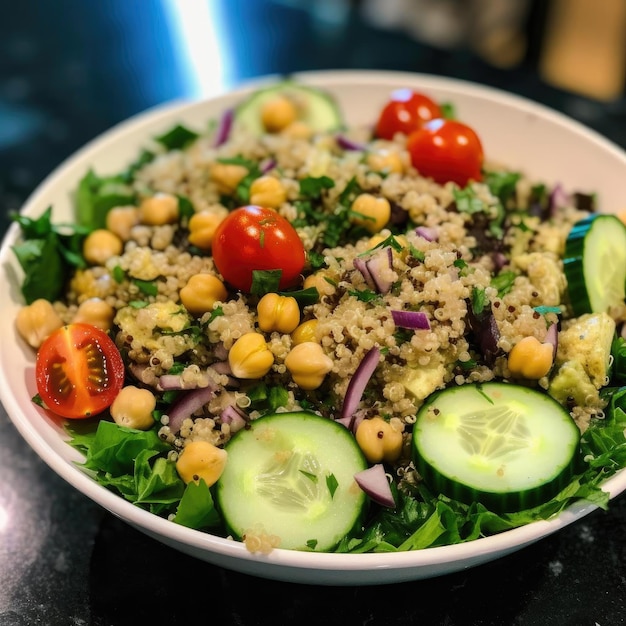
[494, 433]
[291, 481]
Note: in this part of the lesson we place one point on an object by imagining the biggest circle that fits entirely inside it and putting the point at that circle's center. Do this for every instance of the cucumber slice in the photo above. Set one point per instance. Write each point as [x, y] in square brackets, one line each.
[507, 446]
[316, 108]
[292, 474]
[595, 264]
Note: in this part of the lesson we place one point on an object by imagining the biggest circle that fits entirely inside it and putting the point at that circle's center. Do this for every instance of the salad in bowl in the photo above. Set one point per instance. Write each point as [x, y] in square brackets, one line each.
[321, 326]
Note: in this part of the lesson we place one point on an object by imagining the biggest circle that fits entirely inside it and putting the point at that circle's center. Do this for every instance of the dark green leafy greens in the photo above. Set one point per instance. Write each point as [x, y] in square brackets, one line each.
[47, 254]
[134, 464]
[97, 195]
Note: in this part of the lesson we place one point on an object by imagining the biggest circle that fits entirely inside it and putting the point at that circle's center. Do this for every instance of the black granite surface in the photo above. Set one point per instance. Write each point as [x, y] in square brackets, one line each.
[70, 69]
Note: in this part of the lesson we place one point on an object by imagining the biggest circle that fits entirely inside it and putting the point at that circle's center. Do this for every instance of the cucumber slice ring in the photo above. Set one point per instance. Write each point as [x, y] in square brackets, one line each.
[595, 264]
[508, 447]
[292, 475]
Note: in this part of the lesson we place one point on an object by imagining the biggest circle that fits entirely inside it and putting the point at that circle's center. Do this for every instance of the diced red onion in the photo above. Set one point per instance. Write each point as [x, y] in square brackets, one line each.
[377, 266]
[358, 382]
[373, 481]
[352, 421]
[559, 198]
[552, 337]
[222, 367]
[234, 417]
[361, 265]
[224, 128]
[349, 144]
[428, 233]
[187, 404]
[171, 382]
[499, 260]
[267, 165]
[373, 268]
[414, 320]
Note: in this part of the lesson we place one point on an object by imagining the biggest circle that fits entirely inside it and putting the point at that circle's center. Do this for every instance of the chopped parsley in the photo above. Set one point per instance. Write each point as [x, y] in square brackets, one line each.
[332, 484]
[177, 138]
[265, 281]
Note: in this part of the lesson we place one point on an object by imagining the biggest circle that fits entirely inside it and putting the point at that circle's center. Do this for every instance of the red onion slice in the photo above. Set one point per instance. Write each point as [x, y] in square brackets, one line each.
[267, 165]
[346, 143]
[361, 265]
[352, 421]
[358, 382]
[187, 404]
[377, 266]
[224, 127]
[373, 481]
[414, 320]
[559, 198]
[428, 233]
[234, 417]
[552, 337]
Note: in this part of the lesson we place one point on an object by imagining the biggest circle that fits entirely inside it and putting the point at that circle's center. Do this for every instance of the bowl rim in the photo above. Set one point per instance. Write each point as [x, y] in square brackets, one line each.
[160, 527]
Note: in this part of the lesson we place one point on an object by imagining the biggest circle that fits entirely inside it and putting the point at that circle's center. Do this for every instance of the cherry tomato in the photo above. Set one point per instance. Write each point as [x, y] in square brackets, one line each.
[257, 238]
[79, 371]
[446, 150]
[405, 112]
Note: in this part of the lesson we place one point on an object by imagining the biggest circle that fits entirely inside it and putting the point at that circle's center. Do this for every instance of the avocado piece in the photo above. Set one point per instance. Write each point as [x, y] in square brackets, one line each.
[587, 340]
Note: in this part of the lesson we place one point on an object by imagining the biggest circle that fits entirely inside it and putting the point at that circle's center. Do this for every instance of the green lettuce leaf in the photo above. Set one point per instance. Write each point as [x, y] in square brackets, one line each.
[196, 508]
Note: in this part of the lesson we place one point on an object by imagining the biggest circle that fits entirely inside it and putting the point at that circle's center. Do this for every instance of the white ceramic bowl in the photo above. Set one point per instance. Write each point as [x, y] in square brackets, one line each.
[541, 142]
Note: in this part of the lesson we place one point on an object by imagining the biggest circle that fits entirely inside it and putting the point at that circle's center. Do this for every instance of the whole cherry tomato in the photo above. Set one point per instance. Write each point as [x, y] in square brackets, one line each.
[79, 371]
[446, 150]
[405, 112]
[257, 238]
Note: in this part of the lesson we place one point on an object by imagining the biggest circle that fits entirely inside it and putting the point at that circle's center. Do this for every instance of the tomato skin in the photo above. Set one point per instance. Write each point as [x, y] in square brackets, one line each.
[257, 238]
[79, 371]
[447, 150]
[405, 112]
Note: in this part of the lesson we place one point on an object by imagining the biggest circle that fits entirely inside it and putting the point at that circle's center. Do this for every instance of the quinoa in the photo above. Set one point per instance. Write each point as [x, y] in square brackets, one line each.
[439, 277]
[483, 270]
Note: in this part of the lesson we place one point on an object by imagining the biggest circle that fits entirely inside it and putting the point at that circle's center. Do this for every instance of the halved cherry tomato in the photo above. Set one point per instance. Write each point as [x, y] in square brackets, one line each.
[79, 371]
[446, 150]
[257, 238]
[405, 112]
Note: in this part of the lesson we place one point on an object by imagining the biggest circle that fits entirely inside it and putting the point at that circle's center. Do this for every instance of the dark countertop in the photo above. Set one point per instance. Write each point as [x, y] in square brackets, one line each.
[68, 71]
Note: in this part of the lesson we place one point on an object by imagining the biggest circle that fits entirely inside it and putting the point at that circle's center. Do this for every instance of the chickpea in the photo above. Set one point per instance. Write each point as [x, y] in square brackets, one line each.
[160, 209]
[267, 191]
[201, 460]
[379, 440]
[304, 332]
[120, 220]
[308, 364]
[529, 358]
[100, 245]
[385, 161]
[227, 176]
[320, 282]
[278, 313]
[133, 408]
[202, 227]
[297, 130]
[278, 113]
[37, 321]
[371, 212]
[250, 357]
[96, 312]
[201, 293]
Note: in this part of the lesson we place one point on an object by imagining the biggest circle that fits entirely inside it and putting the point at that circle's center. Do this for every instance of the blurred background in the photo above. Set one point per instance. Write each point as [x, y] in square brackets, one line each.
[70, 69]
